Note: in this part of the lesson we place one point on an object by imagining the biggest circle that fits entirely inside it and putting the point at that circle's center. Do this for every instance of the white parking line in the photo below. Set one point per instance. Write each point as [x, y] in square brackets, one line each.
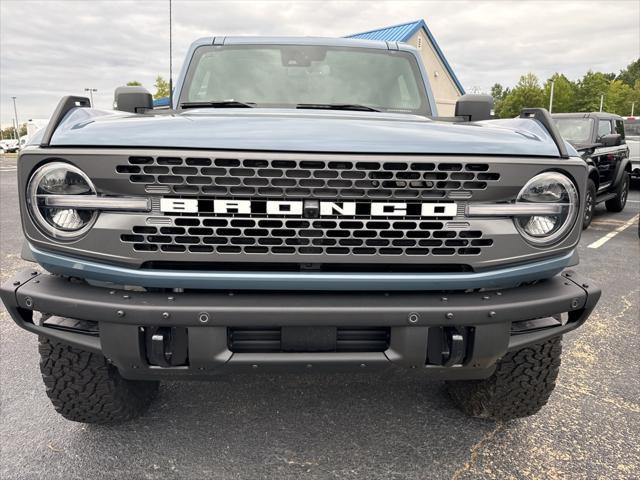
[610, 235]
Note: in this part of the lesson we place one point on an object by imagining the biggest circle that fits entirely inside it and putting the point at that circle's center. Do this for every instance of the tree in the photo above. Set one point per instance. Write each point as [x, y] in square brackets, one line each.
[162, 87]
[526, 94]
[618, 98]
[134, 83]
[631, 74]
[563, 93]
[498, 92]
[588, 92]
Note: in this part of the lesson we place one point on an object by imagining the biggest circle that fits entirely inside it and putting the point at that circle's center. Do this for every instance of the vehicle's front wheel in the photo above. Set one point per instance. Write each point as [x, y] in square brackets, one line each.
[589, 204]
[520, 386]
[84, 387]
[617, 203]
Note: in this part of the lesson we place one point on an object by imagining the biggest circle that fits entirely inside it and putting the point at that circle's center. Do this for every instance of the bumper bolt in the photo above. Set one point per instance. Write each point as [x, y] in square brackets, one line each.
[492, 313]
[585, 285]
[203, 317]
[449, 315]
[165, 315]
[486, 297]
[363, 365]
[498, 293]
[171, 299]
[28, 302]
[413, 317]
[33, 274]
[112, 292]
[444, 299]
[120, 313]
[16, 283]
[574, 303]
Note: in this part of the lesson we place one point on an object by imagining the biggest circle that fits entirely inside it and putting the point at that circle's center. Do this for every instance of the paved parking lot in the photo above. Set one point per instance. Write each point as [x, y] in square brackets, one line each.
[347, 426]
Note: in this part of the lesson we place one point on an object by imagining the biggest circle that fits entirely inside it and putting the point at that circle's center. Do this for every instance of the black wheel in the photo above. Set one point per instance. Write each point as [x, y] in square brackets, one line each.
[589, 204]
[520, 386]
[617, 203]
[84, 387]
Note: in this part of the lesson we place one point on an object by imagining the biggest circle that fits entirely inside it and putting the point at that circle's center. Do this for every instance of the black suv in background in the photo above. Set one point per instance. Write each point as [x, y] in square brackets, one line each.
[600, 141]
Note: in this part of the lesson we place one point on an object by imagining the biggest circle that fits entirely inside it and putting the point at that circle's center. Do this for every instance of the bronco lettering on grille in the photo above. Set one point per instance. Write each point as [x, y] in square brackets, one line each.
[297, 207]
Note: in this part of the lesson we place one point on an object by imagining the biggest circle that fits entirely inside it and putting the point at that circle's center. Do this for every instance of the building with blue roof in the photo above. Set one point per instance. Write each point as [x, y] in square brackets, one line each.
[444, 82]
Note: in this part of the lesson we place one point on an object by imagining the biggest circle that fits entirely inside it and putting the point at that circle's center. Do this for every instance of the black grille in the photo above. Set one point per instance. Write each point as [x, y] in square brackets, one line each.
[268, 340]
[306, 237]
[224, 177]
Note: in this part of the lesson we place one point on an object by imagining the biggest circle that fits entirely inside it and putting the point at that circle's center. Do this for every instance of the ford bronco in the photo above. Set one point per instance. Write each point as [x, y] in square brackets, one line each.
[599, 138]
[300, 207]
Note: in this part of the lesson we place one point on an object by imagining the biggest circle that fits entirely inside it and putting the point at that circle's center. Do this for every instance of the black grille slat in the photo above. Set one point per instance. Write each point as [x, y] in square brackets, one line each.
[268, 340]
[246, 340]
[362, 339]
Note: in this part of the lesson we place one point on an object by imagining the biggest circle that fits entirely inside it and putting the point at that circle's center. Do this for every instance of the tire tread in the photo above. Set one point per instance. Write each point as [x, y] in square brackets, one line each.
[520, 386]
[84, 387]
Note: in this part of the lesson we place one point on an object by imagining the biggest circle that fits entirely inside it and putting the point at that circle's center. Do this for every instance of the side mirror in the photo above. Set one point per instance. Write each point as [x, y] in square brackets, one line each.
[475, 107]
[610, 140]
[132, 99]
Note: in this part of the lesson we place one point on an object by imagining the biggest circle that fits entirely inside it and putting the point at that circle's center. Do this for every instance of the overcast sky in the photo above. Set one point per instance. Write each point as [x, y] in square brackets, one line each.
[53, 48]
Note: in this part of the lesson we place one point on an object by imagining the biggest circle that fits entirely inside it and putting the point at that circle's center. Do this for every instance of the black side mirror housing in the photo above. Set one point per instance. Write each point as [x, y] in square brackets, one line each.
[475, 107]
[132, 99]
[610, 140]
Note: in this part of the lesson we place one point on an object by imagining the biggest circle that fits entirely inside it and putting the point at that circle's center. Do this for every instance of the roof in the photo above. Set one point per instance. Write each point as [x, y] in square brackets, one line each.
[402, 33]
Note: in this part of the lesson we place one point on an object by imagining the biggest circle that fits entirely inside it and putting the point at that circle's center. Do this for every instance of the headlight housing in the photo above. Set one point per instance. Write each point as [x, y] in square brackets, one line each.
[549, 188]
[59, 178]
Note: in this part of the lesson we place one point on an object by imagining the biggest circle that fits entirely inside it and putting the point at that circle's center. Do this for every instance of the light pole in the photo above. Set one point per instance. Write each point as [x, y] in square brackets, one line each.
[91, 90]
[551, 96]
[15, 113]
[601, 101]
[633, 104]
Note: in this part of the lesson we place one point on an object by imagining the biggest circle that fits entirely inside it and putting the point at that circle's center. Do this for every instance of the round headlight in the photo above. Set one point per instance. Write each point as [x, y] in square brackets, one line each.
[58, 178]
[549, 188]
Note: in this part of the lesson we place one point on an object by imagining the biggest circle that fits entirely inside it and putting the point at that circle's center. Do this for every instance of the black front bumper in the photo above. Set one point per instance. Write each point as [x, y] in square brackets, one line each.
[492, 322]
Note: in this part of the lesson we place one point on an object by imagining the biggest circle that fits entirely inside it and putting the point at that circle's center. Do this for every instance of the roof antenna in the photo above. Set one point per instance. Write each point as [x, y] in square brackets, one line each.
[170, 61]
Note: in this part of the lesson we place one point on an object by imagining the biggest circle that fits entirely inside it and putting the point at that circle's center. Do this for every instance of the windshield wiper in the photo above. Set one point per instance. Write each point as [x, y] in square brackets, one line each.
[337, 106]
[218, 104]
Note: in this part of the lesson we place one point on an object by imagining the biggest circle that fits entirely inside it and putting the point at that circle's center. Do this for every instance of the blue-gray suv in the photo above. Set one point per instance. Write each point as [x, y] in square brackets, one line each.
[300, 206]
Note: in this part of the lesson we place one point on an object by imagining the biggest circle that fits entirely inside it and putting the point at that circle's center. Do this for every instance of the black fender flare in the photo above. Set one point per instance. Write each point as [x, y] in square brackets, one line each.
[624, 167]
[592, 174]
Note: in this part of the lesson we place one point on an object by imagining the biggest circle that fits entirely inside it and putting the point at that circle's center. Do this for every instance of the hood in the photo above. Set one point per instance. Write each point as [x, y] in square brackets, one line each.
[302, 131]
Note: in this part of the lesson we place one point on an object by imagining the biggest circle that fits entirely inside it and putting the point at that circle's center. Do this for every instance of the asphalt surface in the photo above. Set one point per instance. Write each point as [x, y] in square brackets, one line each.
[346, 426]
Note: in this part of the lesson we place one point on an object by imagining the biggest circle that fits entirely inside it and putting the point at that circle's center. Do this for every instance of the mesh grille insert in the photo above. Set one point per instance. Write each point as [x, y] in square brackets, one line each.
[292, 178]
[229, 235]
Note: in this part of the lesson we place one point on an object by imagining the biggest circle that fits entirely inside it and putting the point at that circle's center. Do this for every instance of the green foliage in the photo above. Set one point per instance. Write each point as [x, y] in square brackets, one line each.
[162, 87]
[618, 98]
[589, 90]
[583, 95]
[498, 92]
[526, 94]
[134, 83]
[631, 74]
[9, 132]
[563, 93]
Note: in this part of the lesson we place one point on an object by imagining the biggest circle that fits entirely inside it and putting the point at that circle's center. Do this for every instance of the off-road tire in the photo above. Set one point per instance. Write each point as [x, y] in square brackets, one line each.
[84, 387]
[589, 204]
[617, 203]
[520, 386]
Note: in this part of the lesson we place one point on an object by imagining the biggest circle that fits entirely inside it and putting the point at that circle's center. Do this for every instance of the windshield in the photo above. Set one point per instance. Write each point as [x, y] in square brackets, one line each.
[292, 76]
[575, 130]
